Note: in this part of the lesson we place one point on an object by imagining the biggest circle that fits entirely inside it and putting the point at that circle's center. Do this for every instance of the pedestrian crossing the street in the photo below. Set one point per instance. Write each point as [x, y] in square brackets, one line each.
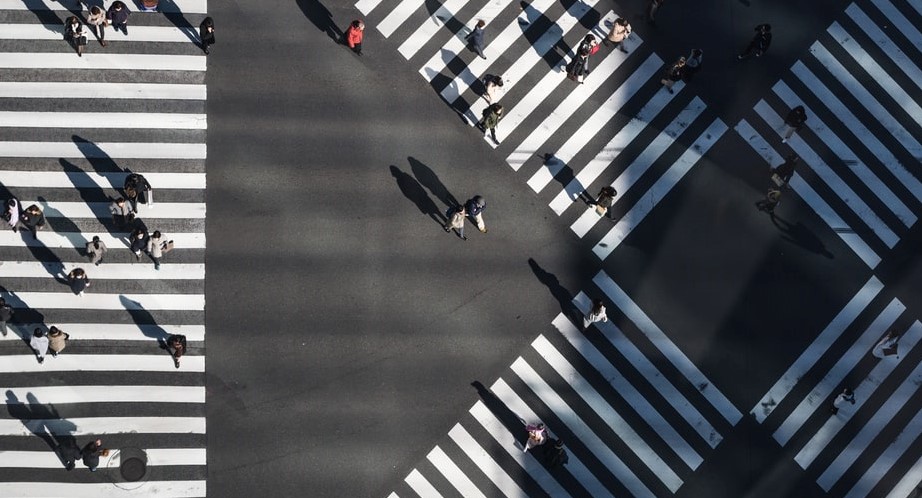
[619, 127]
[74, 128]
[859, 151]
[636, 416]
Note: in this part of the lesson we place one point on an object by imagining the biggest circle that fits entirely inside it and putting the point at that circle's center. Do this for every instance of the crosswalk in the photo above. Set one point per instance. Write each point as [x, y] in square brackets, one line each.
[73, 127]
[619, 127]
[860, 155]
[637, 417]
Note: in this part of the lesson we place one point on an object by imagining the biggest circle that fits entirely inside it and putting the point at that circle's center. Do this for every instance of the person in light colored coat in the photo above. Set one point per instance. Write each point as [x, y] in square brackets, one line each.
[596, 314]
[57, 340]
[620, 30]
[39, 344]
[96, 249]
[155, 248]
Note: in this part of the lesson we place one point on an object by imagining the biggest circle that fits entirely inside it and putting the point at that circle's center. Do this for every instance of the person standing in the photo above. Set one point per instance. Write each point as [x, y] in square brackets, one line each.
[783, 173]
[673, 73]
[652, 7]
[57, 340]
[620, 31]
[6, 314]
[693, 64]
[96, 249]
[596, 314]
[176, 345]
[355, 35]
[39, 344]
[97, 22]
[12, 213]
[794, 122]
[475, 38]
[206, 34]
[78, 281]
[604, 201]
[846, 396]
[122, 214]
[492, 115]
[138, 239]
[138, 189]
[771, 200]
[118, 16]
[456, 217]
[91, 453]
[492, 84]
[33, 219]
[760, 42]
[73, 32]
[474, 207]
[155, 248]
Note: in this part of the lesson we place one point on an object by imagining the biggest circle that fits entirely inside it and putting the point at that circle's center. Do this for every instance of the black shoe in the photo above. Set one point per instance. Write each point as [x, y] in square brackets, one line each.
[447, 229]
[54, 354]
[41, 360]
[463, 237]
[207, 52]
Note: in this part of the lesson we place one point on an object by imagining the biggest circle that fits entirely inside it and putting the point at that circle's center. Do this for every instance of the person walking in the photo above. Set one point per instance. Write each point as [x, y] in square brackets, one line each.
[693, 64]
[354, 36]
[138, 189]
[555, 455]
[887, 346]
[118, 16]
[6, 314]
[155, 245]
[122, 214]
[138, 239]
[846, 396]
[579, 66]
[491, 117]
[73, 33]
[620, 31]
[474, 207]
[455, 221]
[673, 73]
[12, 213]
[492, 85]
[652, 7]
[760, 42]
[57, 340]
[96, 249]
[604, 201]
[537, 435]
[771, 200]
[475, 38]
[91, 453]
[794, 122]
[78, 281]
[783, 173]
[96, 20]
[206, 34]
[176, 345]
[39, 344]
[32, 219]
[596, 314]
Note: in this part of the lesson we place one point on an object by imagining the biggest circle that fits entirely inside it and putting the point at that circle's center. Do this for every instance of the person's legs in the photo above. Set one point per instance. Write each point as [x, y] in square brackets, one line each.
[493, 135]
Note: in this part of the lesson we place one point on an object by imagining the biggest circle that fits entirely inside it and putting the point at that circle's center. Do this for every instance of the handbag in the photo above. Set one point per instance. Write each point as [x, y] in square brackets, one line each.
[777, 179]
[167, 246]
[891, 350]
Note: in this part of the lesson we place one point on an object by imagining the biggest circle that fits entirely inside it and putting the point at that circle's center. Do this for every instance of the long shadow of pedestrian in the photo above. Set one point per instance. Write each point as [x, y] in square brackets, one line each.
[414, 191]
[801, 236]
[561, 170]
[23, 315]
[173, 13]
[45, 422]
[511, 420]
[430, 180]
[42, 253]
[322, 18]
[561, 294]
[49, 18]
[145, 321]
[103, 165]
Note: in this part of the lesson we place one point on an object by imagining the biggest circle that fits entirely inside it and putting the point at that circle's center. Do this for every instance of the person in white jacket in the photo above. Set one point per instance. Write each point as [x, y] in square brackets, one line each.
[39, 344]
[596, 314]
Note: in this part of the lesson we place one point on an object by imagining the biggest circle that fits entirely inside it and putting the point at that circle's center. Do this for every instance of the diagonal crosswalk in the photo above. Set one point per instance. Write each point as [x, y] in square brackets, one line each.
[138, 106]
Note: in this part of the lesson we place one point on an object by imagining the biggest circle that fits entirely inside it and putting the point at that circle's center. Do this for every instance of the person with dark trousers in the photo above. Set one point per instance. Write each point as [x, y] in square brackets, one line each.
[760, 42]
[32, 219]
[97, 22]
[96, 250]
[771, 200]
[673, 73]
[73, 32]
[492, 115]
[39, 344]
[122, 214]
[206, 34]
[118, 16]
[555, 455]
[78, 280]
[794, 122]
[783, 173]
[91, 453]
[604, 201]
[6, 314]
[12, 213]
[355, 35]
[137, 189]
[475, 39]
[176, 345]
[138, 241]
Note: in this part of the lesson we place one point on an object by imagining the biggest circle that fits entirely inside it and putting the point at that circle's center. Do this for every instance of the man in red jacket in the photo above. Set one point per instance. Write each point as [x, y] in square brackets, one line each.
[354, 36]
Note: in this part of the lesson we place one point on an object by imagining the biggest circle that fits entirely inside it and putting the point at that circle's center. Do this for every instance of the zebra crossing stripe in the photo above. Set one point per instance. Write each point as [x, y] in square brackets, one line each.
[396, 17]
[156, 457]
[863, 392]
[910, 481]
[110, 150]
[171, 6]
[175, 489]
[886, 45]
[810, 196]
[67, 362]
[366, 6]
[113, 120]
[659, 189]
[100, 210]
[92, 426]
[430, 27]
[113, 331]
[842, 151]
[88, 90]
[59, 395]
[783, 386]
[55, 32]
[92, 179]
[71, 240]
[90, 301]
[485, 463]
[421, 485]
[525, 460]
[899, 21]
[609, 459]
[608, 414]
[574, 466]
[871, 429]
[393, 495]
[110, 61]
[821, 393]
[836, 184]
[453, 474]
[108, 271]
[626, 389]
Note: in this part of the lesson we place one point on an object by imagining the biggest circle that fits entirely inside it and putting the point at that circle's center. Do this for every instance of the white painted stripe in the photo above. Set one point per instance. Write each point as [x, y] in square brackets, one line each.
[668, 348]
[864, 97]
[625, 389]
[871, 429]
[902, 61]
[453, 474]
[525, 460]
[899, 21]
[59, 395]
[615, 146]
[809, 157]
[810, 196]
[112, 331]
[115, 120]
[62, 240]
[56, 31]
[864, 391]
[658, 191]
[910, 481]
[104, 425]
[366, 6]
[430, 27]
[485, 463]
[113, 150]
[103, 60]
[393, 495]
[885, 461]
[396, 17]
[92, 179]
[608, 414]
[90, 301]
[157, 361]
[576, 98]
[109, 271]
[171, 6]
[820, 395]
[156, 457]
[175, 489]
[639, 166]
[816, 349]
[602, 451]
[843, 152]
[587, 131]
[88, 90]
[421, 485]
[862, 135]
[160, 210]
[574, 466]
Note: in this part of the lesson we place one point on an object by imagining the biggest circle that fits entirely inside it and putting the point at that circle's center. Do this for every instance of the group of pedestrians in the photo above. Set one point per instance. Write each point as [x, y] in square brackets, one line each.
[472, 209]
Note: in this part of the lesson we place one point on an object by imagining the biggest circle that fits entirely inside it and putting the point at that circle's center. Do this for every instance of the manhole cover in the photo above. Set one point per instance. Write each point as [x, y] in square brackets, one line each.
[133, 469]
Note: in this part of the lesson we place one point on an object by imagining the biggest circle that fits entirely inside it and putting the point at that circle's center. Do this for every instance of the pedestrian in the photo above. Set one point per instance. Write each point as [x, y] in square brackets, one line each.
[604, 201]
[155, 245]
[474, 207]
[176, 345]
[97, 22]
[491, 117]
[537, 435]
[138, 189]
[794, 122]
[118, 16]
[206, 34]
[73, 33]
[620, 31]
[783, 173]
[122, 214]
[596, 314]
[693, 64]
[589, 42]
[673, 73]
[846, 396]
[475, 38]
[492, 84]
[138, 239]
[69, 452]
[57, 340]
[651, 10]
[78, 280]
[12, 213]
[555, 455]
[96, 249]
[771, 200]
[888, 346]
[39, 344]
[354, 36]
[32, 219]
[91, 453]
[455, 221]
[760, 42]
[579, 66]
[6, 314]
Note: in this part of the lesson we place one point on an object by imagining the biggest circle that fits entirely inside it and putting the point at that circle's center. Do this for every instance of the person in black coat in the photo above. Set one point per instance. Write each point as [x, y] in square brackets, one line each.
[176, 345]
[33, 219]
[137, 188]
[91, 453]
[783, 173]
[760, 42]
[206, 34]
[118, 16]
